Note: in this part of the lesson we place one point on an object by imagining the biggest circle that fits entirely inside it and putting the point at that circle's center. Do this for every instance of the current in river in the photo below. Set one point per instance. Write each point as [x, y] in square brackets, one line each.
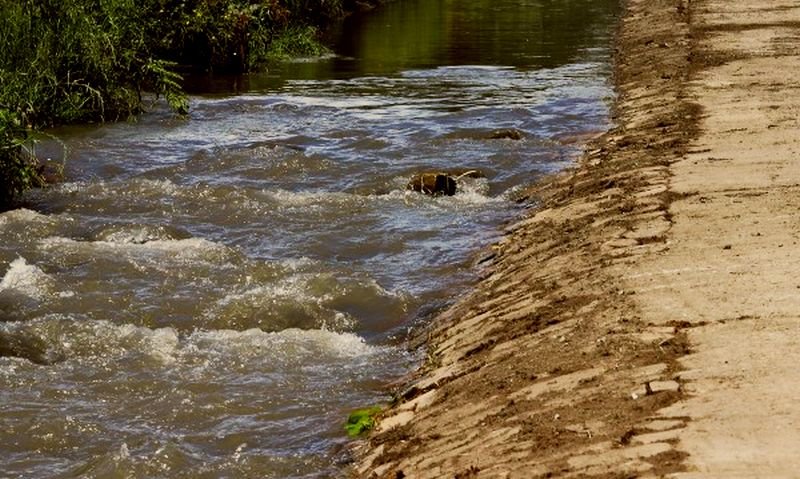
[209, 297]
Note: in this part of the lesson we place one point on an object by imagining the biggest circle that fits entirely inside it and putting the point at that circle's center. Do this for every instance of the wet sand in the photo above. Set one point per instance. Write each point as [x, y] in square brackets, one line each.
[641, 321]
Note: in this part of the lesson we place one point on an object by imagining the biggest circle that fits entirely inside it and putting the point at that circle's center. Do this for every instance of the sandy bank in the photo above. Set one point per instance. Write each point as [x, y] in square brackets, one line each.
[643, 319]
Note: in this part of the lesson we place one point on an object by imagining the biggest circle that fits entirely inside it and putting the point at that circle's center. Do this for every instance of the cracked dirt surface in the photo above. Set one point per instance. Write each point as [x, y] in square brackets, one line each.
[731, 271]
[642, 320]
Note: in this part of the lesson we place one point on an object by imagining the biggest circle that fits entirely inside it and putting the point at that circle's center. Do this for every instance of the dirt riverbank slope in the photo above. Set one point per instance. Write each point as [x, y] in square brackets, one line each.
[643, 320]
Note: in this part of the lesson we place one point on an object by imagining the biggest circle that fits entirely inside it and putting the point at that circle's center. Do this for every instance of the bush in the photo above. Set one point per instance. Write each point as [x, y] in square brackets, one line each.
[18, 168]
[242, 35]
[68, 61]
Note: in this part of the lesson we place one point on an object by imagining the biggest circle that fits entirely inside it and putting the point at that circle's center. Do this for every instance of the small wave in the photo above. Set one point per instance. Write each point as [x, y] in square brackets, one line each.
[25, 216]
[158, 187]
[26, 279]
[470, 193]
[138, 188]
[23, 226]
[290, 199]
[300, 300]
[190, 249]
[115, 463]
[475, 192]
[290, 344]
[55, 338]
[460, 71]
[312, 59]
[139, 234]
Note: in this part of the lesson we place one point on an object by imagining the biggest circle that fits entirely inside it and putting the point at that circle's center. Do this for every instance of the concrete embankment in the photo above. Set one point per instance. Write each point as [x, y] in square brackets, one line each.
[642, 320]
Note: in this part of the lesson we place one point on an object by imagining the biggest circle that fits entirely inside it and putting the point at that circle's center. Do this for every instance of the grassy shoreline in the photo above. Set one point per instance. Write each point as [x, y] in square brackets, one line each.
[79, 61]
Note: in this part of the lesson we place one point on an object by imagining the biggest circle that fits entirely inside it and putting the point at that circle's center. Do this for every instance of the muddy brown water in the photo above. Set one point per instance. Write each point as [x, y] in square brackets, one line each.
[210, 297]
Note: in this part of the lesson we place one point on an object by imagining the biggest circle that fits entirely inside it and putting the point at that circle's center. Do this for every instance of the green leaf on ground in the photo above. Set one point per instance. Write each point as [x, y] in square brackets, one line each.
[361, 420]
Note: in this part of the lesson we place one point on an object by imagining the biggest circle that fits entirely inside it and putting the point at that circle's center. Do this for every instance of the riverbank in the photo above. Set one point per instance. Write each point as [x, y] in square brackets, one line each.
[639, 320]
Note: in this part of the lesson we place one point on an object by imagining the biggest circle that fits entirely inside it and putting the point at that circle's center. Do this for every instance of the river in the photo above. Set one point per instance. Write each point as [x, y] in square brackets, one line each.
[210, 297]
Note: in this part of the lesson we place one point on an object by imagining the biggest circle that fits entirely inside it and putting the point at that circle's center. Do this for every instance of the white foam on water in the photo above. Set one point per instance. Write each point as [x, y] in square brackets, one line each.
[294, 287]
[470, 193]
[290, 344]
[309, 198]
[10, 365]
[345, 345]
[71, 186]
[162, 186]
[191, 249]
[136, 187]
[263, 301]
[139, 237]
[26, 279]
[475, 193]
[138, 234]
[339, 102]
[70, 338]
[25, 216]
[123, 452]
[296, 264]
[163, 344]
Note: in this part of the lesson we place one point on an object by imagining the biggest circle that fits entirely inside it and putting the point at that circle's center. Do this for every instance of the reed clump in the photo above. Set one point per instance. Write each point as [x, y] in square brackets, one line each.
[70, 61]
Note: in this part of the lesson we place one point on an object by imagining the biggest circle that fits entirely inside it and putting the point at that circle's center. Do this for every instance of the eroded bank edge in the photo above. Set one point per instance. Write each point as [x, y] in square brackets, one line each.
[547, 367]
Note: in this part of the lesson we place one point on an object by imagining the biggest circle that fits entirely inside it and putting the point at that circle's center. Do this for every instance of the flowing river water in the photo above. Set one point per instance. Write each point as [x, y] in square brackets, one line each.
[210, 297]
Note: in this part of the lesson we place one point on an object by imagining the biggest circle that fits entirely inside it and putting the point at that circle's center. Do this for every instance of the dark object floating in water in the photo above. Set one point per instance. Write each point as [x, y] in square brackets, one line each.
[434, 184]
[440, 183]
[506, 134]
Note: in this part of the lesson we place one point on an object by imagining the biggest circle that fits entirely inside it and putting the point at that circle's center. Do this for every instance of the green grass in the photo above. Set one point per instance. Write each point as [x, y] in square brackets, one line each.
[295, 42]
[72, 61]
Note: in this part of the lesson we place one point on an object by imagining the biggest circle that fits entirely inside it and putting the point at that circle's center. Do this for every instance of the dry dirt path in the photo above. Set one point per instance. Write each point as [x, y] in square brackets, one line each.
[732, 271]
[643, 320]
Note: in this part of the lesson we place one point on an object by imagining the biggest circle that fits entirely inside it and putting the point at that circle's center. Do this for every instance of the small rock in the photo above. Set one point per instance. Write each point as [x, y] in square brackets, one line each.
[434, 184]
[654, 387]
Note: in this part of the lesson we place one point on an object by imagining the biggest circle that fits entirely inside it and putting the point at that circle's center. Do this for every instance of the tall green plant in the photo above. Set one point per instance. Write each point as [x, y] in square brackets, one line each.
[67, 61]
[78, 60]
[18, 168]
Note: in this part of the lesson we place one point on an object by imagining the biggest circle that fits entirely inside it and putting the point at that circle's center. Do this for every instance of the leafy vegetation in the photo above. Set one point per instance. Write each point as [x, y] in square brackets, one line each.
[67, 61]
[361, 421]
[18, 169]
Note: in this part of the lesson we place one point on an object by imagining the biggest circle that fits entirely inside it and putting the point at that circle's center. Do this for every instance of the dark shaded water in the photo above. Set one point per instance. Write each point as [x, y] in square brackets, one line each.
[209, 298]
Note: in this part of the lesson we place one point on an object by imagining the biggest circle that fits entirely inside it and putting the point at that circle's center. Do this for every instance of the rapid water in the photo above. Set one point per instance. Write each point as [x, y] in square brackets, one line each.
[210, 297]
